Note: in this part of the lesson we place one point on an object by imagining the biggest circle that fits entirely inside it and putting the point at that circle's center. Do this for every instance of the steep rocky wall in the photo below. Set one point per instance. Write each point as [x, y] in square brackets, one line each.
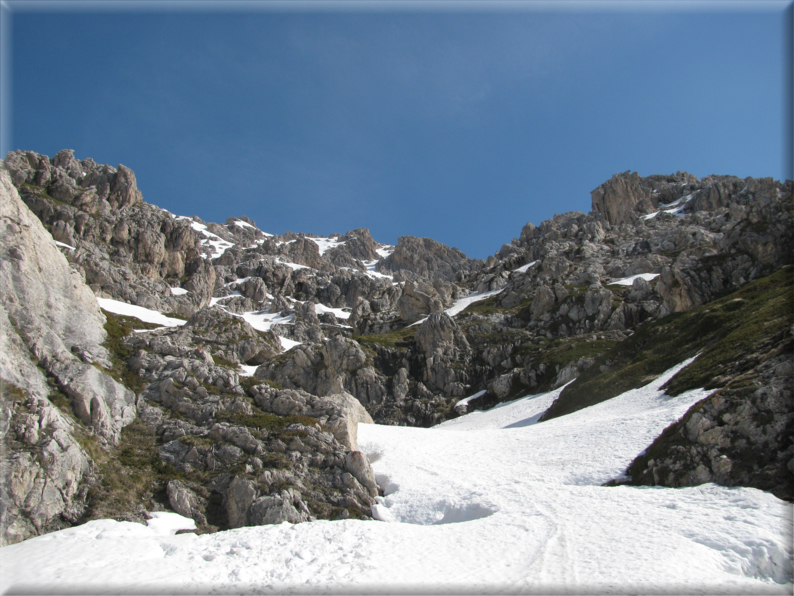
[48, 316]
[427, 258]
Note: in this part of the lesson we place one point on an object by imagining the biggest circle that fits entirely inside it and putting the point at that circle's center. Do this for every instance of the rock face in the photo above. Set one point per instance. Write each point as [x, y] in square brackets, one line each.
[135, 417]
[49, 304]
[424, 257]
[714, 440]
[47, 314]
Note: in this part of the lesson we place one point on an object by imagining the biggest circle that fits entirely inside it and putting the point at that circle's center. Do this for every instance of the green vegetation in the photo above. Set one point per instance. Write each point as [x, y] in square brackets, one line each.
[248, 382]
[59, 399]
[174, 315]
[40, 192]
[748, 320]
[399, 338]
[131, 474]
[9, 390]
[221, 361]
[272, 423]
[492, 306]
[723, 332]
[118, 327]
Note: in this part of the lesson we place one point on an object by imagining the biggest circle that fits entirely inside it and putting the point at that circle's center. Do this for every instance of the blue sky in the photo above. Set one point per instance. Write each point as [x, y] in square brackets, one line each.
[458, 123]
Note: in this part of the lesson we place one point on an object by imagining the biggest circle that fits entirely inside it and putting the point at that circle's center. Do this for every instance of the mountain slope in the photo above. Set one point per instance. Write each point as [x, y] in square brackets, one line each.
[492, 502]
[247, 397]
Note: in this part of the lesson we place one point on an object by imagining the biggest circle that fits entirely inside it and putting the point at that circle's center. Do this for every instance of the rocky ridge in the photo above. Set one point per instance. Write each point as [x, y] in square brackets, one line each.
[229, 422]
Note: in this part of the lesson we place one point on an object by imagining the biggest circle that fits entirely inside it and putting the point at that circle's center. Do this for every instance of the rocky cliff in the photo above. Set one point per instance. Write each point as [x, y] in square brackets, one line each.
[244, 409]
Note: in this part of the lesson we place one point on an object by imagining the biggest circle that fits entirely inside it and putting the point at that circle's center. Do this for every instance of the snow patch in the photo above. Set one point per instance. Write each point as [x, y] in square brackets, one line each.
[524, 268]
[339, 313]
[144, 314]
[179, 291]
[262, 320]
[461, 304]
[385, 250]
[325, 244]
[287, 343]
[676, 207]
[292, 265]
[627, 281]
[370, 265]
[247, 371]
[465, 401]
[218, 244]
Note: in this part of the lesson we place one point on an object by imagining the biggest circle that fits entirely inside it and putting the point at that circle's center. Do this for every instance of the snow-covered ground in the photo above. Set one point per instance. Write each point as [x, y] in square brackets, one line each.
[627, 281]
[524, 268]
[144, 314]
[460, 305]
[490, 502]
[339, 313]
[218, 244]
[370, 265]
[676, 207]
[325, 244]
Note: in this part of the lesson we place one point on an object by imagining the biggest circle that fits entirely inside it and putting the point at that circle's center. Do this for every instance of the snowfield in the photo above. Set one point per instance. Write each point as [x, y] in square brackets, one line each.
[492, 502]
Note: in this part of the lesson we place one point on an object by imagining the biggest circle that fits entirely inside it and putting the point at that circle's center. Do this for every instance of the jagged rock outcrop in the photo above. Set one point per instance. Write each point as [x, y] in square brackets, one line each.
[35, 499]
[338, 365]
[209, 426]
[625, 196]
[739, 436]
[228, 337]
[425, 257]
[443, 346]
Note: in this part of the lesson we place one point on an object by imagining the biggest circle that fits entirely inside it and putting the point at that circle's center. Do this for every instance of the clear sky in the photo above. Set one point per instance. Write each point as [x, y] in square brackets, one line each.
[457, 122]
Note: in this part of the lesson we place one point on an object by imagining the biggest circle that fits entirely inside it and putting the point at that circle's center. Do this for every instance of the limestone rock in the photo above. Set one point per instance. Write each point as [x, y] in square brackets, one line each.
[98, 400]
[617, 197]
[427, 258]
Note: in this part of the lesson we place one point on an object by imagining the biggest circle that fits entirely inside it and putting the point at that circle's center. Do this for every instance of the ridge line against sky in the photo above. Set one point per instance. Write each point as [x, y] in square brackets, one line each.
[458, 121]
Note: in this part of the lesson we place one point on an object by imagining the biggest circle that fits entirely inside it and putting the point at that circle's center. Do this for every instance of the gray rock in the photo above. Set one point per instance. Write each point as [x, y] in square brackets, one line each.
[98, 400]
[186, 502]
[427, 258]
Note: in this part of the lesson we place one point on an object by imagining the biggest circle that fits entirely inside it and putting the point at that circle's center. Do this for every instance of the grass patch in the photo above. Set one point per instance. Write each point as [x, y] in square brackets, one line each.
[273, 423]
[9, 390]
[489, 306]
[724, 332]
[221, 361]
[559, 353]
[492, 306]
[130, 474]
[40, 192]
[399, 338]
[117, 328]
[59, 400]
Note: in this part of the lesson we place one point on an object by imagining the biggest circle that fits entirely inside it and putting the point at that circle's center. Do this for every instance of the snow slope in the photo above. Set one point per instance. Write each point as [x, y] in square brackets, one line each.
[460, 305]
[139, 312]
[490, 502]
